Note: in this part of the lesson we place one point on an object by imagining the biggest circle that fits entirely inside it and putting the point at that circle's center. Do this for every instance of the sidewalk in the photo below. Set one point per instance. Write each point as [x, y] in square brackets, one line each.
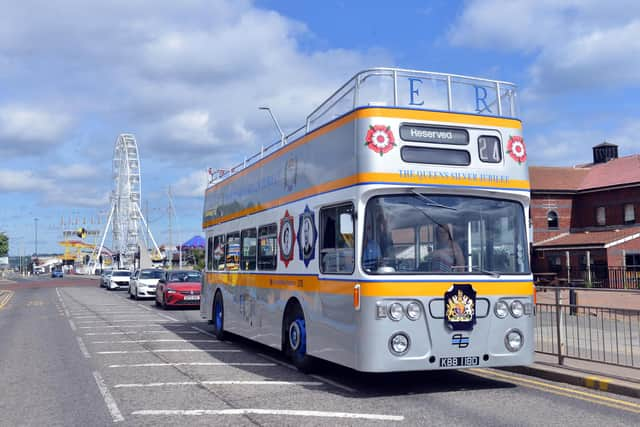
[599, 376]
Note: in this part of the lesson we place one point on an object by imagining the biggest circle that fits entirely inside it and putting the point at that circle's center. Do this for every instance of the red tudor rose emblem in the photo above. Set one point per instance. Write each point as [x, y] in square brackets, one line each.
[287, 238]
[517, 149]
[380, 139]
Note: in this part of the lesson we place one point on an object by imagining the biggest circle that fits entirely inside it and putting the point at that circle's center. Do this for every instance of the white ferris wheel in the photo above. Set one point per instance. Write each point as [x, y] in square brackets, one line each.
[126, 217]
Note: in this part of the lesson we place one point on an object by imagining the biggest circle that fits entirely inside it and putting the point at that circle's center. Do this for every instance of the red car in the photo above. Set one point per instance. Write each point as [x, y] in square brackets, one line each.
[179, 288]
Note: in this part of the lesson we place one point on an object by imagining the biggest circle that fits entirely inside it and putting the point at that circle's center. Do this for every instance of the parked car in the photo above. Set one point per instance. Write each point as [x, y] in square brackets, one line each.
[104, 278]
[119, 279]
[57, 273]
[144, 282]
[179, 288]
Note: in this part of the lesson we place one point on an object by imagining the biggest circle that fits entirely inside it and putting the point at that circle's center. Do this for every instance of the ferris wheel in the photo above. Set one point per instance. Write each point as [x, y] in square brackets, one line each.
[126, 198]
[126, 217]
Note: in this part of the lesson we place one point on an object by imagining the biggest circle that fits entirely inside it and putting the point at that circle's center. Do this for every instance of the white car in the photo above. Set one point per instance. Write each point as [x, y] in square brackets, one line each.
[143, 283]
[119, 279]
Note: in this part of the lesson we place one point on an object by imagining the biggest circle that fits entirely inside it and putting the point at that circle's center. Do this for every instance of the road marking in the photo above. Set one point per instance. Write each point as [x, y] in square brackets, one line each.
[83, 348]
[334, 383]
[130, 326]
[143, 341]
[169, 350]
[5, 297]
[73, 325]
[125, 320]
[299, 383]
[279, 362]
[143, 332]
[108, 399]
[156, 365]
[562, 391]
[321, 414]
[101, 315]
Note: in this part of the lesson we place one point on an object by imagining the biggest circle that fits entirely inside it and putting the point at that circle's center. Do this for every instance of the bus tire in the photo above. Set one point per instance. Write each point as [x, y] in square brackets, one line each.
[218, 316]
[295, 339]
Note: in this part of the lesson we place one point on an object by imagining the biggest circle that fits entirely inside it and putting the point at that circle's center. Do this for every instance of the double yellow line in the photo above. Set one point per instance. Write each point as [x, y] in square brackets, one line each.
[559, 390]
[5, 297]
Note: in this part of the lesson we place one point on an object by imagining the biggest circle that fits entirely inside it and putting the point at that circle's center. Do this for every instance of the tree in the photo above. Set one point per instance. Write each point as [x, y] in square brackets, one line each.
[4, 244]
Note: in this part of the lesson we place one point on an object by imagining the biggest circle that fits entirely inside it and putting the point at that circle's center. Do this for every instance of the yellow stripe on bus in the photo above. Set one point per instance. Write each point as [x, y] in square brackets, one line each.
[375, 177]
[368, 289]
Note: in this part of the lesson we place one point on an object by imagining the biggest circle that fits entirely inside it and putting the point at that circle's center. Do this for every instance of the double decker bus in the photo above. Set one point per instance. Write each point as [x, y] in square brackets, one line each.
[388, 233]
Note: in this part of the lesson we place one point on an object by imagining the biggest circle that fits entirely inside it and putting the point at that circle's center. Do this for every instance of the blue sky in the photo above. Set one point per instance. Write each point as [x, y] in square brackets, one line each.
[187, 77]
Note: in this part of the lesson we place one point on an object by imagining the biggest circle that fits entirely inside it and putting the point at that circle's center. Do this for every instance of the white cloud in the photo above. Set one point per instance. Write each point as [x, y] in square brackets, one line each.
[75, 171]
[23, 181]
[575, 43]
[30, 130]
[192, 185]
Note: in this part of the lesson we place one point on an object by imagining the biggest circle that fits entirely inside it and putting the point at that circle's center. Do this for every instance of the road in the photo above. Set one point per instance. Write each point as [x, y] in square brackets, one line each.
[72, 354]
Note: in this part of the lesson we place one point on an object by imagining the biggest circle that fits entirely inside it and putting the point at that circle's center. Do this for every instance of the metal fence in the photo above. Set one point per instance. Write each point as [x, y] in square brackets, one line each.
[598, 334]
[597, 276]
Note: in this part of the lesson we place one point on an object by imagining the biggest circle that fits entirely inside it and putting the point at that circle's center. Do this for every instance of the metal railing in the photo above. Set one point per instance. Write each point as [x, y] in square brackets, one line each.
[597, 334]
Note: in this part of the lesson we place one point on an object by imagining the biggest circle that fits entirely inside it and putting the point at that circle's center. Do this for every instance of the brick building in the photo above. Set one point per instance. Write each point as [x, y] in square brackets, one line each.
[586, 219]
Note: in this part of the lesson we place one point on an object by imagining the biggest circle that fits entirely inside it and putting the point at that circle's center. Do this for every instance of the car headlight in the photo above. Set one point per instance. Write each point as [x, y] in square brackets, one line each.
[517, 309]
[399, 344]
[501, 309]
[396, 311]
[413, 311]
[513, 340]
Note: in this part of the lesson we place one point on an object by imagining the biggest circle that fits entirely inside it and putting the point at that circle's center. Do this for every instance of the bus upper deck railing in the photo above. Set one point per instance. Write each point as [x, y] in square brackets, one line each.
[399, 88]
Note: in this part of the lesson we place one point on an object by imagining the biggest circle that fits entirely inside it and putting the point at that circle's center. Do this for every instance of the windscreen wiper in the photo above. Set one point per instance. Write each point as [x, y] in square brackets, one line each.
[487, 272]
[430, 202]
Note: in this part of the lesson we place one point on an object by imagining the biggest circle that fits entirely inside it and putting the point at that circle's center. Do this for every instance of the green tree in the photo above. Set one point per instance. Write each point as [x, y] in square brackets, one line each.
[4, 244]
[198, 257]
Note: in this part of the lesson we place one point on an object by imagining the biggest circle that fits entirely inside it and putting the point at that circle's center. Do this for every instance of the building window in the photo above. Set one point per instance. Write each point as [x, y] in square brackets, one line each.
[629, 214]
[601, 216]
[632, 261]
[552, 220]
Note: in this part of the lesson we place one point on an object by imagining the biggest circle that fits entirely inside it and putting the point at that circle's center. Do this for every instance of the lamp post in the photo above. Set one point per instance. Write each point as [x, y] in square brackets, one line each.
[283, 138]
[35, 220]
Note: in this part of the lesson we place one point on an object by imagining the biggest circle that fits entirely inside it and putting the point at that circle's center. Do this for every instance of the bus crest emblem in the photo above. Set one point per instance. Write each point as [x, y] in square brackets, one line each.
[516, 149]
[460, 307]
[286, 238]
[380, 139]
[307, 236]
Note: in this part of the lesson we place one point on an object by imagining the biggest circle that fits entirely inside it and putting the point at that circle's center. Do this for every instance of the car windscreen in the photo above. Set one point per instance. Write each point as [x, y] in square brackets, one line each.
[191, 276]
[121, 273]
[157, 274]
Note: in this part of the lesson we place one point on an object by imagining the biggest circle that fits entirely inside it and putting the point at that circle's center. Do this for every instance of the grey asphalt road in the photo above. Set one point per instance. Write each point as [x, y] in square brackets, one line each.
[84, 356]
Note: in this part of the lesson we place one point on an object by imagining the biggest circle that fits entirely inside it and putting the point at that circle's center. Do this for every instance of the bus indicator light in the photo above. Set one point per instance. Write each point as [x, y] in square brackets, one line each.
[356, 297]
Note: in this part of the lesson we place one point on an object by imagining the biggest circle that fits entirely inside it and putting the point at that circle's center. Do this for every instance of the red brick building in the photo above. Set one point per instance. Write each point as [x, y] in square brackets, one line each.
[586, 219]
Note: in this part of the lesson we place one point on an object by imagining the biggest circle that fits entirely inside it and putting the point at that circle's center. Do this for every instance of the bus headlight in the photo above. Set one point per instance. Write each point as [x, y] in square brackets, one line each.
[413, 311]
[513, 340]
[396, 311]
[399, 344]
[517, 309]
[501, 309]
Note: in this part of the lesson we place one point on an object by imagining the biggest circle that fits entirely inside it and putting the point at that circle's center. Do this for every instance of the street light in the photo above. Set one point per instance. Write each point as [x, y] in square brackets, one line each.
[283, 138]
[35, 220]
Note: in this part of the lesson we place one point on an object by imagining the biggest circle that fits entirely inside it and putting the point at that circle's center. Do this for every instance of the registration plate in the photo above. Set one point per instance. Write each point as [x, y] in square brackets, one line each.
[457, 362]
[192, 297]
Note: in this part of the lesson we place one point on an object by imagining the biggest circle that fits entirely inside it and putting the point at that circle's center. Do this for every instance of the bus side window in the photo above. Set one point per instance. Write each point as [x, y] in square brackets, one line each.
[209, 266]
[248, 249]
[267, 247]
[232, 255]
[337, 242]
[218, 253]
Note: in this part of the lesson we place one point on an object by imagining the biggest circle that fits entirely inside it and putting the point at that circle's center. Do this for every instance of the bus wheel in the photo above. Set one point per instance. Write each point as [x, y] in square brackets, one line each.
[296, 340]
[218, 316]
